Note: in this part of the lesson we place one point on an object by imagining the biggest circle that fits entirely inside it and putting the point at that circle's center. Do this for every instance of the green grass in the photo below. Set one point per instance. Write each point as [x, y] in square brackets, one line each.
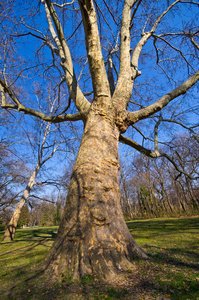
[174, 246]
[19, 257]
[172, 272]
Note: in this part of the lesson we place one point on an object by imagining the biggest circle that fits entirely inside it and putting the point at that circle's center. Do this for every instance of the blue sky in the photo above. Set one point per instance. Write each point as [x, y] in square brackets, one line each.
[38, 83]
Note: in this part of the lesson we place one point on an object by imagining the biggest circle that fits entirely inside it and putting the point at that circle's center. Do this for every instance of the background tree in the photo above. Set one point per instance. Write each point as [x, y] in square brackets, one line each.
[24, 220]
[45, 141]
[13, 175]
[93, 236]
[155, 188]
[46, 213]
[42, 159]
[125, 197]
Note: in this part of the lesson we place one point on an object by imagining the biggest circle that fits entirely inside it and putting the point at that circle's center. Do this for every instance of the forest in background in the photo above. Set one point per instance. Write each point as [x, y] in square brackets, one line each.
[150, 188]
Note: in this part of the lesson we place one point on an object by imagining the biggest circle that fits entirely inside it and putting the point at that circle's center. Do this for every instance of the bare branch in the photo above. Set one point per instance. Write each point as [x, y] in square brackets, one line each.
[18, 106]
[41, 199]
[125, 82]
[194, 43]
[110, 12]
[52, 153]
[3, 97]
[156, 133]
[146, 36]
[163, 101]
[125, 36]
[124, 86]
[64, 4]
[107, 23]
[93, 45]
[151, 154]
[174, 48]
[28, 33]
[190, 2]
[181, 124]
[76, 94]
[138, 147]
[134, 12]
[53, 33]
[82, 69]
[184, 33]
[162, 15]
[158, 61]
[74, 31]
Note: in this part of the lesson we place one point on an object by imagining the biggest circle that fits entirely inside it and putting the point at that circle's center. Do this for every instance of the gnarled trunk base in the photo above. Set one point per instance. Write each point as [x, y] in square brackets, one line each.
[101, 249]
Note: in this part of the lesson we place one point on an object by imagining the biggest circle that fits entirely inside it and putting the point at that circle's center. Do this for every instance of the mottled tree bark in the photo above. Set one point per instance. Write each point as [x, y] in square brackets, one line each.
[12, 225]
[93, 237]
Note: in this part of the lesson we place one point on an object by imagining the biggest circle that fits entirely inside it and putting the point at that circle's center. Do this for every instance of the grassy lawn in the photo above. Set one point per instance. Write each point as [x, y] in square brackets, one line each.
[172, 272]
[174, 246]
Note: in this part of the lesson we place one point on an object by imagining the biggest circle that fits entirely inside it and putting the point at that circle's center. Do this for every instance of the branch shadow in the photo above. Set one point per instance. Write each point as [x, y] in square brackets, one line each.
[166, 257]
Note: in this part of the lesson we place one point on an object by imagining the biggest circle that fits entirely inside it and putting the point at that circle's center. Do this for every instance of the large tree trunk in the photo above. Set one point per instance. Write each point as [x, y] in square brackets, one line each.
[93, 237]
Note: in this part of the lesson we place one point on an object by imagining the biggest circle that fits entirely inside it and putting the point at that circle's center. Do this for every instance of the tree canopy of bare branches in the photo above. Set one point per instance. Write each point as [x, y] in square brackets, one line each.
[120, 67]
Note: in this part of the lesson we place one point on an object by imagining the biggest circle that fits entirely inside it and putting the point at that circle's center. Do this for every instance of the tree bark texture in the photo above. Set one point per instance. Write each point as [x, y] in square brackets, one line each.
[12, 225]
[93, 237]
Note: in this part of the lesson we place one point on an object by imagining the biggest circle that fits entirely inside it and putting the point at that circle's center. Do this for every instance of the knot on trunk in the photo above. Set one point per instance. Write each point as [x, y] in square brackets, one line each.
[122, 121]
[98, 212]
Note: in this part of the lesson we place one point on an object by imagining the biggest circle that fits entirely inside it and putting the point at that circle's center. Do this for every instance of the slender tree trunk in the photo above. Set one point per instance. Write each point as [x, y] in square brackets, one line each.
[194, 200]
[140, 205]
[181, 196]
[93, 237]
[12, 225]
[126, 205]
[167, 198]
[153, 202]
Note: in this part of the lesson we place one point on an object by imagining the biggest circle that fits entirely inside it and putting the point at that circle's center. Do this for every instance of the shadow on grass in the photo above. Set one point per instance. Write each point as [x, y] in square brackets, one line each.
[167, 258]
[25, 235]
[170, 290]
[150, 278]
[167, 226]
[20, 257]
[139, 287]
[29, 248]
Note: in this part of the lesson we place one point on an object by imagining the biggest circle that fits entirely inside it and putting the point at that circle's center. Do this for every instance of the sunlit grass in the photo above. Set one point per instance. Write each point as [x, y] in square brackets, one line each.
[19, 257]
[172, 272]
[174, 246]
